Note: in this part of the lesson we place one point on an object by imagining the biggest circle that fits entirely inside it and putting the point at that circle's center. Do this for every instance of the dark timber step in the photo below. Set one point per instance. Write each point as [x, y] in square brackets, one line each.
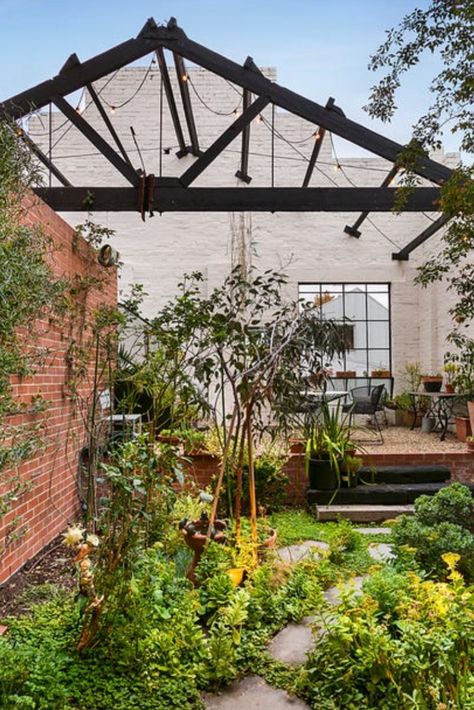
[404, 474]
[378, 494]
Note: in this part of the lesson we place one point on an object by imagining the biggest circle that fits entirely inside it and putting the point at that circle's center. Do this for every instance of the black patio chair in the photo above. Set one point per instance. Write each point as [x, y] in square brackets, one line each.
[367, 400]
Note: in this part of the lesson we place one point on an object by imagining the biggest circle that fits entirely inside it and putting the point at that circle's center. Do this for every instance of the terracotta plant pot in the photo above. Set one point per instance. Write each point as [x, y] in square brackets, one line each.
[297, 446]
[470, 409]
[380, 373]
[449, 388]
[463, 428]
[346, 373]
[195, 536]
[171, 440]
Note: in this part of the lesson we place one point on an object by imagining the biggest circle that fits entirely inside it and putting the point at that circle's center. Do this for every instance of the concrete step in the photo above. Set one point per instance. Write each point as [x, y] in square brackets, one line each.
[377, 494]
[362, 513]
[405, 474]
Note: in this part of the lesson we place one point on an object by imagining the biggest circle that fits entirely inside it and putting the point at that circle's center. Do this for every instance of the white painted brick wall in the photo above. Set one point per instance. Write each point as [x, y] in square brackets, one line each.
[310, 246]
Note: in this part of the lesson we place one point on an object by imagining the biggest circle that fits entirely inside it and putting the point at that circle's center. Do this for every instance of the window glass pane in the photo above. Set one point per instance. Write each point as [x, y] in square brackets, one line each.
[332, 288]
[355, 305]
[360, 334]
[379, 359]
[378, 334]
[377, 306]
[377, 288]
[357, 360]
[363, 311]
[332, 305]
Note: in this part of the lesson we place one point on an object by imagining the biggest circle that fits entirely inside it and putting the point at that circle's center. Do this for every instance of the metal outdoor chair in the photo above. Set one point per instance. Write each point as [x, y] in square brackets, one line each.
[367, 400]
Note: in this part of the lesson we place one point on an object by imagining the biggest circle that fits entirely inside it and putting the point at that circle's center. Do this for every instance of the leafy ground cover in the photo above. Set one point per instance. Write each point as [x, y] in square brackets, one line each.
[404, 643]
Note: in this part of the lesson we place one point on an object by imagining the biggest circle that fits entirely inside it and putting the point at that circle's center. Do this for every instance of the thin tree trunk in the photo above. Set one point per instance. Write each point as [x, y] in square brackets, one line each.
[252, 494]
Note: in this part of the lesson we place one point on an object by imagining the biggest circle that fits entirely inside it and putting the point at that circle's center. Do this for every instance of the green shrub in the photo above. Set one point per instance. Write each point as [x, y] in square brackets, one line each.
[441, 523]
[405, 645]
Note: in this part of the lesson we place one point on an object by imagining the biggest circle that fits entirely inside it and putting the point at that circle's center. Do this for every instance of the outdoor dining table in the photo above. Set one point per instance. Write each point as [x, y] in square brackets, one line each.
[440, 407]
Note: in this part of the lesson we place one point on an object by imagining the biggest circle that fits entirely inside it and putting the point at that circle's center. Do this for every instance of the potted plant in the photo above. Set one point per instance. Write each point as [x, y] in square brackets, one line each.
[450, 369]
[327, 448]
[470, 444]
[380, 372]
[349, 472]
[432, 383]
[346, 373]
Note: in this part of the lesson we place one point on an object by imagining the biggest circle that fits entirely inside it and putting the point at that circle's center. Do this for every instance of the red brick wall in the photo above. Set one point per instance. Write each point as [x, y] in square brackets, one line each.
[461, 466]
[52, 502]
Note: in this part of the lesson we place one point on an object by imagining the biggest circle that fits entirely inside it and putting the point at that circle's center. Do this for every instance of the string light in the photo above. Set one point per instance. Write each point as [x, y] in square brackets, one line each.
[237, 112]
[112, 109]
[317, 136]
[259, 118]
[184, 77]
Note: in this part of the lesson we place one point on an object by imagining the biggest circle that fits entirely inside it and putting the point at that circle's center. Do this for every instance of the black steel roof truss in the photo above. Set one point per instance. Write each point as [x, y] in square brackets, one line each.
[45, 160]
[171, 102]
[353, 230]
[96, 139]
[186, 100]
[223, 141]
[167, 195]
[403, 254]
[170, 196]
[95, 98]
[243, 173]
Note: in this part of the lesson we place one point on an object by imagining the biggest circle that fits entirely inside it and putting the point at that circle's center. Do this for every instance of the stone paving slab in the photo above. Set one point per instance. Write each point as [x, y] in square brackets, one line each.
[252, 692]
[292, 644]
[294, 553]
[333, 594]
[380, 551]
[374, 531]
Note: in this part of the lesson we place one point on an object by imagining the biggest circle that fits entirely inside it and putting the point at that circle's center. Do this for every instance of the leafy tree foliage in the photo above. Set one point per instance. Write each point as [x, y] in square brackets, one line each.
[445, 29]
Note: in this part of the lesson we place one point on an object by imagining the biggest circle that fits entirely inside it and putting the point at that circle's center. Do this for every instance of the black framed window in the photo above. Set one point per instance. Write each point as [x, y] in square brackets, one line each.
[363, 309]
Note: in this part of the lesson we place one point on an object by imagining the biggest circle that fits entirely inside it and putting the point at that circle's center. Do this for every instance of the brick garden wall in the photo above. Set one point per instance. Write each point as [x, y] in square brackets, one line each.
[52, 474]
[461, 465]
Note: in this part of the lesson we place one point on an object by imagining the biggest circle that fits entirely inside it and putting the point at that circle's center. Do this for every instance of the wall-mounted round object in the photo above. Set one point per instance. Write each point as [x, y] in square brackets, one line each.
[108, 256]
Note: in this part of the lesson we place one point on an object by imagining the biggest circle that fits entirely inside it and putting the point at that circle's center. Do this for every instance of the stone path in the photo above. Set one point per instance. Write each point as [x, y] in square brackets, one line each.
[374, 531]
[292, 644]
[295, 553]
[381, 552]
[253, 692]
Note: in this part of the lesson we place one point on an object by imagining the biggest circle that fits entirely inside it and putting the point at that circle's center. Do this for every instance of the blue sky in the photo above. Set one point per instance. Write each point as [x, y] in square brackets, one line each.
[319, 48]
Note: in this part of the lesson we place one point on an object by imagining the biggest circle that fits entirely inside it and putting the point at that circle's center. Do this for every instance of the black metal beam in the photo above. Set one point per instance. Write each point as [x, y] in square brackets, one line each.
[76, 77]
[403, 254]
[96, 139]
[108, 122]
[170, 197]
[243, 173]
[318, 139]
[330, 119]
[187, 106]
[173, 38]
[223, 141]
[171, 102]
[353, 230]
[44, 159]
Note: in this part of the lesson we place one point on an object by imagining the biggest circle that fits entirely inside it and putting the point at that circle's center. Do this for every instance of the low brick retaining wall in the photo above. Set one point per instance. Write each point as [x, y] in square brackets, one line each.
[461, 465]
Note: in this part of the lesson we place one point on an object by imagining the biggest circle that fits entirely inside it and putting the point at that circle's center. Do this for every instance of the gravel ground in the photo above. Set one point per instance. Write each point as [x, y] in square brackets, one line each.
[399, 440]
